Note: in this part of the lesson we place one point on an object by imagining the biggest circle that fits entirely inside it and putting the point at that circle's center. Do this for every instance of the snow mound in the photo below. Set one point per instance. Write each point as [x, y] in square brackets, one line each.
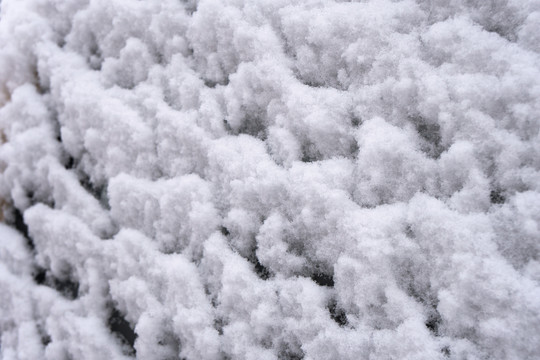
[270, 179]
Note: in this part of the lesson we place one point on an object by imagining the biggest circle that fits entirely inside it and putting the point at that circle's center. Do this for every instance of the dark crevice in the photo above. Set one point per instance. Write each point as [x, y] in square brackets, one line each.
[418, 287]
[219, 324]
[310, 153]
[433, 322]
[354, 149]
[409, 232]
[87, 184]
[254, 127]
[323, 81]
[97, 191]
[355, 121]
[497, 197]
[39, 274]
[213, 83]
[446, 351]
[41, 87]
[95, 55]
[323, 279]
[212, 297]
[337, 314]
[310, 83]
[45, 338]
[250, 126]
[288, 352]
[67, 287]
[121, 328]
[61, 41]
[430, 132]
[227, 126]
[190, 6]
[20, 225]
[69, 162]
[55, 122]
[506, 33]
[261, 271]
[224, 231]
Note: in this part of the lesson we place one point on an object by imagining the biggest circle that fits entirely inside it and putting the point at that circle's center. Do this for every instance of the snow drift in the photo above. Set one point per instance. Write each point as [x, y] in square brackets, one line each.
[277, 179]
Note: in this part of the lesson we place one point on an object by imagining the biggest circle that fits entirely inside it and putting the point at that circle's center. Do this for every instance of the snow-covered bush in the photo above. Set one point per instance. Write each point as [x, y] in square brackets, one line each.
[270, 179]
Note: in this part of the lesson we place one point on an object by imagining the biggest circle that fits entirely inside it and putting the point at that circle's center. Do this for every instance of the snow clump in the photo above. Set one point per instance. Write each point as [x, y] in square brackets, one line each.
[270, 179]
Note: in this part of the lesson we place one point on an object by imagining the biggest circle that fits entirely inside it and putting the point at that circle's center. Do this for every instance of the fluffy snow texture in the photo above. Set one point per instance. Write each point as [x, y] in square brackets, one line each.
[270, 179]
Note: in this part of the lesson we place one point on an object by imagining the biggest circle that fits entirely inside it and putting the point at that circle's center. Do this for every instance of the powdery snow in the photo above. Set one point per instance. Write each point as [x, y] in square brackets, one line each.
[270, 179]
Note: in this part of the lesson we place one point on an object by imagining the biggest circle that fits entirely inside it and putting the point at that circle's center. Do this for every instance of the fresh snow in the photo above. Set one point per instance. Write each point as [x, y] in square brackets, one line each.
[270, 179]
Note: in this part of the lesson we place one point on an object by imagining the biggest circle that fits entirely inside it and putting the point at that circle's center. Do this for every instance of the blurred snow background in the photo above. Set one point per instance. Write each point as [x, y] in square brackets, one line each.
[270, 179]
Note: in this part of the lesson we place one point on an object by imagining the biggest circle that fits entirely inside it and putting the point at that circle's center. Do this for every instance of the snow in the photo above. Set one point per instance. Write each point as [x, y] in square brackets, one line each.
[270, 179]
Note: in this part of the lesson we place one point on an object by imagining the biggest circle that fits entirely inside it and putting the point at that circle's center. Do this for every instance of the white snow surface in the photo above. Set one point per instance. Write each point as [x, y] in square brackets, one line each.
[270, 179]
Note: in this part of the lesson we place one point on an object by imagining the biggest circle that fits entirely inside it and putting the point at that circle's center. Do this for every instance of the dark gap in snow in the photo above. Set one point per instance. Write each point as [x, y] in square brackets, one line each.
[412, 278]
[310, 153]
[213, 298]
[61, 41]
[219, 323]
[317, 80]
[95, 56]
[323, 279]
[45, 338]
[227, 126]
[409, 232]
[289, 347]
[67, 287]
[87, 184]
[224, 231]
[337, 314]
[40, 86]
[159, 57]
[213, 83]
[56, 124]
[288, 49]
[189, 51]
[446, 351]
[190, 6]
[505, 32]
[209, 83]
[125, 83]
[66, 159]
[430, 132]
[310, 83]
[290, 352]
[355, 120]
[97, 191]
[433, 322]
[497, 197]
[261, 271]
[353, 150]
[39, 274]
[70, 162]
[120, 327]
[253, 126]
[20, 225]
